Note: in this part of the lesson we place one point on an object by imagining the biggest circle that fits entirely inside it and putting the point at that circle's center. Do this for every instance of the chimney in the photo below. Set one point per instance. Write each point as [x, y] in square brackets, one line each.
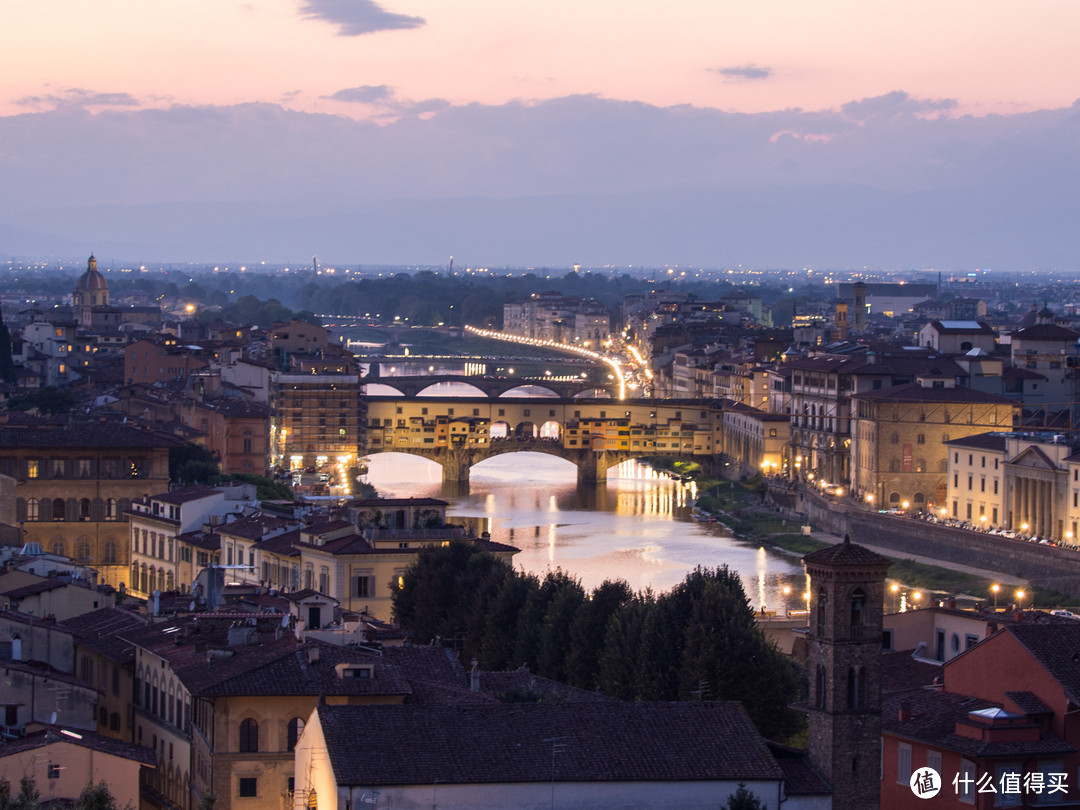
[905, 712]
[313, 654]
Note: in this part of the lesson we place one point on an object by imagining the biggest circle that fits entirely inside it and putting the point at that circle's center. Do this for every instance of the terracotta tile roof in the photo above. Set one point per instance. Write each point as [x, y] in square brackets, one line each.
[34, 588]
[85, 739]
[371, 502]
[99, 630]
[207, 542]
[846, 553]
[185, 495]
[254, 527]
[285, 544]
[201, 659]
[901, 672]
[89, 434]
[1028, 703]
[1046, 331]
[933, 718]
[1057, 648]
[913, 392]
[608, 741]
[295, 674]
[800, 777]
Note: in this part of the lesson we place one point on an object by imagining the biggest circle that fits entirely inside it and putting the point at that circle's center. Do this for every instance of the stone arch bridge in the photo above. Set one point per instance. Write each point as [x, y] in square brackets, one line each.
[459, 432]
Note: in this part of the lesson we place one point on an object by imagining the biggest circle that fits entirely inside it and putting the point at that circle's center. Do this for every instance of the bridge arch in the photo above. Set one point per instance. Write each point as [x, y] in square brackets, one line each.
[550, 430]
[530, 390]
[441, 388]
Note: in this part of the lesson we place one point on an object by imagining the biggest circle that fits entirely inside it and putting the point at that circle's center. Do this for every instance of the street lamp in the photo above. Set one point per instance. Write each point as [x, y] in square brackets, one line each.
[995, 588]
[917, 596]
[895, 592]
[1020, 598]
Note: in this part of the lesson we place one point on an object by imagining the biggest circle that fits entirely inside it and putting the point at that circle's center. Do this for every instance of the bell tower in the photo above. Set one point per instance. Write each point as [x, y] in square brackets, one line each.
[847, 590]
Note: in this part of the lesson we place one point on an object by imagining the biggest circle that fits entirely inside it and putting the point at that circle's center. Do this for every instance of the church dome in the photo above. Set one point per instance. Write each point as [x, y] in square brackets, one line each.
[91, 279]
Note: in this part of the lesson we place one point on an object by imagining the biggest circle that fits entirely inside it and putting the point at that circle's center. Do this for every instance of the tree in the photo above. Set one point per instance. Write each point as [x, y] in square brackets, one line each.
[49, 400]
[743, 799]
[192, 463]
[28, 798]
[96, 797]
[445, 592]
[588, 630]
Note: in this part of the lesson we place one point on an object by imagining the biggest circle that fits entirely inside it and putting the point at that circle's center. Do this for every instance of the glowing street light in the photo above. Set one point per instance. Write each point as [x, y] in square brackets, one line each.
[1020, 598]
[896, 596]
[995, 588]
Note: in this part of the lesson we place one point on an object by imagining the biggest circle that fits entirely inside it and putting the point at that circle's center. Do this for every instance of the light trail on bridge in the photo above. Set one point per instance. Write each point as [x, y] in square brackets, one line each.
[564, 347]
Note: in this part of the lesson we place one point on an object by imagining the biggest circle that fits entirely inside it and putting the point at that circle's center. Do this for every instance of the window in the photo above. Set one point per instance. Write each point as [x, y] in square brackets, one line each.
[32, 469]
[903, 763]
[54, 771]
[1009, 782]
[31, 508]
[364, 586]
[249, 738]
[248, 788]
[296, 728]
[920, 439]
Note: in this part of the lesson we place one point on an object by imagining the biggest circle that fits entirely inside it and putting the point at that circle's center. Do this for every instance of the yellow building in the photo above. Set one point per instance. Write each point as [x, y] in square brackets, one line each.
[63, 761]
[75, 483]
[898, 453]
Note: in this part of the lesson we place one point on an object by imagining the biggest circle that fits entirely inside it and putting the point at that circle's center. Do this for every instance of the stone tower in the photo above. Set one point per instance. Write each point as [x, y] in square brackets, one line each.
[858, 307]
[91, 290]
[847, 589]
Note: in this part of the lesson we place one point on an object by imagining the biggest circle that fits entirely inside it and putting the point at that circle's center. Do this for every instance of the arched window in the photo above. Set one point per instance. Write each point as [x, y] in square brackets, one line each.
[58, 509]
[919, 498]
[856, 688]
[110, 509]
[59, 548]
[84, 509]
[858, 603]
[82, 551]
[894, 439]
[822, 602]
[894, 465]
[109, 553]
[894, 497]
[296, 728]
[31, 508]
[249, 737]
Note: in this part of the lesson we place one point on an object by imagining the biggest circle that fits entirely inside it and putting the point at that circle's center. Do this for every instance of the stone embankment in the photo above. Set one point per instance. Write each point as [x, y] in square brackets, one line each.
[1042, 565]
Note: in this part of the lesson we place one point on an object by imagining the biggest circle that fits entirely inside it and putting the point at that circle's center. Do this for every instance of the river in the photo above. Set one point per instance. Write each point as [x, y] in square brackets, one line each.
[637, 527]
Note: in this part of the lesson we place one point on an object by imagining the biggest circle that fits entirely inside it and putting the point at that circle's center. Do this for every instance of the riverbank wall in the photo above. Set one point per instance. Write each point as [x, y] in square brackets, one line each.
[1043, 565]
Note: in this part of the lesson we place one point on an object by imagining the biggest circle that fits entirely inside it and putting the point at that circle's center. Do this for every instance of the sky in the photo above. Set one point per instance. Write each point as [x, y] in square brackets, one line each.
[212, 125]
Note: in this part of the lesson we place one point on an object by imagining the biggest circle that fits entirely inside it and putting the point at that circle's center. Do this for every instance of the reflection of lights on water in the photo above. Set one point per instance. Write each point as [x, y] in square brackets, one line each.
[551, 542]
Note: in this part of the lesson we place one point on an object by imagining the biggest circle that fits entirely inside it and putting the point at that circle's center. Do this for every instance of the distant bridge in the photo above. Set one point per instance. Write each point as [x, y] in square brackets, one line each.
[595, 434]
[410, 387]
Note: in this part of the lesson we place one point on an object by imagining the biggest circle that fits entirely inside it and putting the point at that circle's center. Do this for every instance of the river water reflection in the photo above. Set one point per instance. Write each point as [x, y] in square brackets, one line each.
[637, 527]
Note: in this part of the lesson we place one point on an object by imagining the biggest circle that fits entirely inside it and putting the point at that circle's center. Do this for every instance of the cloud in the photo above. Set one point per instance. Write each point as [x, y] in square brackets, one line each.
[79, 97]
[905, 189]
[387, 102]
[743, 73]
[893, 104]
[365, 94]
[357, 17]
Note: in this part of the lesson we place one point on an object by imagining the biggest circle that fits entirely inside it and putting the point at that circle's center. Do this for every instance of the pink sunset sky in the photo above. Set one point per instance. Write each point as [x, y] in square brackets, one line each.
[989, 56]
[786, 132]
